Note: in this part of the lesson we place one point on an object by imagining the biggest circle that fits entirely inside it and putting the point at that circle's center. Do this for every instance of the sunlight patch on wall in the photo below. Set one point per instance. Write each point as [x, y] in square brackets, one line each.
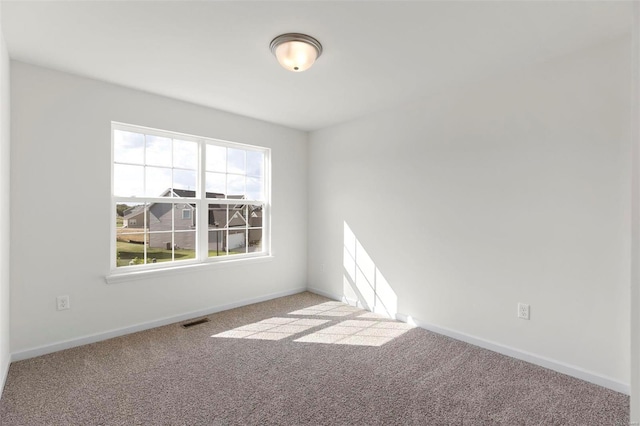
[272, 328]
[363, 282]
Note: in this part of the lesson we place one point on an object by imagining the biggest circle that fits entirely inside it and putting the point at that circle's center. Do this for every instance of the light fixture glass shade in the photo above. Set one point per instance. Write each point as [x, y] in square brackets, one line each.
[296, 52]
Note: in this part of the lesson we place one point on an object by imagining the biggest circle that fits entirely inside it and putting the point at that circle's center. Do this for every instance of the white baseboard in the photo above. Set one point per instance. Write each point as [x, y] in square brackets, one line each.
[551, 364]
[324, 293]
[532, 358]
[4, 372]
[97, 337]
[542, 361]
[352, 302]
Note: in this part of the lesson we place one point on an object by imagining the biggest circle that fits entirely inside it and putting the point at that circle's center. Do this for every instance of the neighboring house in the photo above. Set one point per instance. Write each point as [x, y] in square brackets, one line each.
[183, 221]
[238, 217]
[159, 223]
[133, 217]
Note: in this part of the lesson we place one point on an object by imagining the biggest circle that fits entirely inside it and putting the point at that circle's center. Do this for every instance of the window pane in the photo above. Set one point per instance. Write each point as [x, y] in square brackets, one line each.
[237, 217]
[128, 181]
[130, 216]
[130, 234]
[184, 216]
[158, 181]
[216, 243]
[235, 186]
[237, 241]
[164, 244]
[185, 154]
[255, 163]
[217, 216]
[255, 188]
[185, 245]
[217, 221]
[158, 151]
[130, 252]
[235, 161]
[255, 240]
[148, 166]
[255, 216]
[160, 247]
[216, 158]
[216, 184]
[160, 217]
[185, 179]
[128, 147]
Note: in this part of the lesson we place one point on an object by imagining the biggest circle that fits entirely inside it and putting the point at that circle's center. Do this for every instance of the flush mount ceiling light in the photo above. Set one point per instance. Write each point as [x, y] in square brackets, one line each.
[296, 52]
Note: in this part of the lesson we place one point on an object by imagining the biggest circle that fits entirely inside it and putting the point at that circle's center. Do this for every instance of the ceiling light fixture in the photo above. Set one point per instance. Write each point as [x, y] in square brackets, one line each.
[296, 52]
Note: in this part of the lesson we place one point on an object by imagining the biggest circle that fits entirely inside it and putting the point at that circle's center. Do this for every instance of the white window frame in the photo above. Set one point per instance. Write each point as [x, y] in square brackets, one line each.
[188, 211]
[200, 201]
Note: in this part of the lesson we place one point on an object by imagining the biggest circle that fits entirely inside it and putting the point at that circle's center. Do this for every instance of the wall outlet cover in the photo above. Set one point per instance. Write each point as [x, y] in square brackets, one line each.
[63, 302]
[523, 311]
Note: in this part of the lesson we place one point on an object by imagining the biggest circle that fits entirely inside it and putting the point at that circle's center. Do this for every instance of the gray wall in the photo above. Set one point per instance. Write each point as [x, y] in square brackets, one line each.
[635, 221]
[4, 212]
[62, 131]
[514, 189]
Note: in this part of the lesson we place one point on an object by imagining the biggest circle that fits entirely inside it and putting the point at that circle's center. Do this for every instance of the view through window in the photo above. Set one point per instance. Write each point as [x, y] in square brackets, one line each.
[161, 181]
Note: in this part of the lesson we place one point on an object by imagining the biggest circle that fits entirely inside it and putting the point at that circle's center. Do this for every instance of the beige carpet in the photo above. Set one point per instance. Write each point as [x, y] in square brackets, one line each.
[291, 361]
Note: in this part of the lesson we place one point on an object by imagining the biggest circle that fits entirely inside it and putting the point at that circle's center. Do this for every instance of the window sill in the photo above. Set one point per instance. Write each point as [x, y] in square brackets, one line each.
[116, 277]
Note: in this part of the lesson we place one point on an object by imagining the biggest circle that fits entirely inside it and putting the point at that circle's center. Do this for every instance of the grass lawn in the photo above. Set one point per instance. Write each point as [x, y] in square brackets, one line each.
[129, 251]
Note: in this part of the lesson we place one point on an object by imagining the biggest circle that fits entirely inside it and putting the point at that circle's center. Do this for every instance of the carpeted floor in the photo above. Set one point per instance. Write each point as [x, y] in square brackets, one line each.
[292, 361]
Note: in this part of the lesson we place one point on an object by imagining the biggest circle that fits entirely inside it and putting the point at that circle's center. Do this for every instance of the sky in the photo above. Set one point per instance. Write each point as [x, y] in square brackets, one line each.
[146, 165]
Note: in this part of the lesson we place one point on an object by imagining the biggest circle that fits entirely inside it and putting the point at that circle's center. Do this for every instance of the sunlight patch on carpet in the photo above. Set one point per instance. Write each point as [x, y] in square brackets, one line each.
[358, 332]
[364, 330]
[328, 309]
[272, 328]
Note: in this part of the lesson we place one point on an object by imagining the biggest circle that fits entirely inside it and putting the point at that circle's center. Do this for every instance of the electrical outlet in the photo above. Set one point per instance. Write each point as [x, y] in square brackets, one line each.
[63, 302]
[523, 311]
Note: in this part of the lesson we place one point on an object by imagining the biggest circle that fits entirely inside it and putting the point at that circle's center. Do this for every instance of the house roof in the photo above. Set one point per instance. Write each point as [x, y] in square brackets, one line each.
[133, 211]
[188, 193]
[235, 219]
[219, 216]
[218, 212]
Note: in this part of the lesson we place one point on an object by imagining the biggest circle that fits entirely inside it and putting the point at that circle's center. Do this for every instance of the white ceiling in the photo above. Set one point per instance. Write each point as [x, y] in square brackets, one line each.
[376, 54]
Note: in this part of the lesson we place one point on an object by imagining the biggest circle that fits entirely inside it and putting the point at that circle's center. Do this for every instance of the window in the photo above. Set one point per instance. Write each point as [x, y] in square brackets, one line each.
[161, 180]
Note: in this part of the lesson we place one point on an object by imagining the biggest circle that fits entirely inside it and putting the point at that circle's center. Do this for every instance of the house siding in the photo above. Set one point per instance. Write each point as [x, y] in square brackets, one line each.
[139, 221]
[181, 240]
[160, 220]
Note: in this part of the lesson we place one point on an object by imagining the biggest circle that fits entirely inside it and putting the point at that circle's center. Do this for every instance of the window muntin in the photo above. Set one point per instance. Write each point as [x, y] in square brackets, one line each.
[235, 229]
[235, 172]
[150, 166]
[154, 165]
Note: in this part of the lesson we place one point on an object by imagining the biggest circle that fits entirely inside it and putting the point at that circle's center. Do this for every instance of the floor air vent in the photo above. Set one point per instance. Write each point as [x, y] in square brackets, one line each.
[195, 322]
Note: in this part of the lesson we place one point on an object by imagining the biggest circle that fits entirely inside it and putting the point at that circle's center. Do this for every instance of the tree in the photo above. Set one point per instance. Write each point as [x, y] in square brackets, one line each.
[120, 208]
